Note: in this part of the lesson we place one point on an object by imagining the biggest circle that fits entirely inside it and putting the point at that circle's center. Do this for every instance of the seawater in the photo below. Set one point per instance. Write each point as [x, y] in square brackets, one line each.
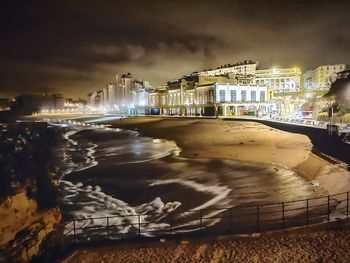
[142, 182]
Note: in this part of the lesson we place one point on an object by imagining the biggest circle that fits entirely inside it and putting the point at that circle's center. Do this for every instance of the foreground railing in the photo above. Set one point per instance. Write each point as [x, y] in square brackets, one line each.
[234, 220]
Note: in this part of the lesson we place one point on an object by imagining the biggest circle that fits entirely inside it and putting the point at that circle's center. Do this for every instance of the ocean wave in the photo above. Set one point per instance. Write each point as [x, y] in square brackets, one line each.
[84, 202]
[92, 207]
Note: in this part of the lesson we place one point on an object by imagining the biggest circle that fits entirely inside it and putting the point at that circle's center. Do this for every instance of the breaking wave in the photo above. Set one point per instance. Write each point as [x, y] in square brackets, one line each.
[141, 185]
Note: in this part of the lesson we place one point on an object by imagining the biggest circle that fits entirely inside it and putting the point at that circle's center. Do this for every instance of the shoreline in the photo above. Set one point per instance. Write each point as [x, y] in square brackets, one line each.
[267, 247]
[308, 162]
[238, 140]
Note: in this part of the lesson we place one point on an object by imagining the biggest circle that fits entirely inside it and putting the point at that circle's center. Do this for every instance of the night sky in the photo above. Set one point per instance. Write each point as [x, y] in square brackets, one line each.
[73, 47]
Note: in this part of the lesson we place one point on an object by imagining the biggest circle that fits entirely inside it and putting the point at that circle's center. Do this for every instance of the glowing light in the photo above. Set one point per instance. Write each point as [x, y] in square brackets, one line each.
[156, 141]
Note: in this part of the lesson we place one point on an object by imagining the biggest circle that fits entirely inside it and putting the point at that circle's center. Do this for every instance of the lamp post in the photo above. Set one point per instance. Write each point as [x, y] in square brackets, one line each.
[330, 130]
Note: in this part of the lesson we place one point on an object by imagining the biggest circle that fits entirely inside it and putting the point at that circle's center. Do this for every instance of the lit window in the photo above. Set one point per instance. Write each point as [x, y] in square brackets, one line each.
[243, 95]
[262, 95]
[253, 96]
[233, 96]
[222, 95]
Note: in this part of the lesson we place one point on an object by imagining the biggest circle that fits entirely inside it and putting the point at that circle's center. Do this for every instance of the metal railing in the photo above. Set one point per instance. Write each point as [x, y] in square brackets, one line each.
[234, 220]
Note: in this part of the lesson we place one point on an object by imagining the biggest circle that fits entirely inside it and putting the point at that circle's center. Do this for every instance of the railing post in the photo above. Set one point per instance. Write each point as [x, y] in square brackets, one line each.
[347, 204]
[74, 227]
[201, 220]
[139, 219]
[258, 218]
[107, 226]
[283, 221]
[307, 211]
[328, 208]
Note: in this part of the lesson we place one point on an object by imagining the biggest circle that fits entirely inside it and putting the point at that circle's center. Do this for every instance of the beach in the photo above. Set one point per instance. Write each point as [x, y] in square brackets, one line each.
[243, 141]
[319, 246]
[249, 143]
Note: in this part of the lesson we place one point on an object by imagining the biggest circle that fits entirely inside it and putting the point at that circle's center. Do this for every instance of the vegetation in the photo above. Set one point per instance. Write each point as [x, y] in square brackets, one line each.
[26, 152]
[339, 110]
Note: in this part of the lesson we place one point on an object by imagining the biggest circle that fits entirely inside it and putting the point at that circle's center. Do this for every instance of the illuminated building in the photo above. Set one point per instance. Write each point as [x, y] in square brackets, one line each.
[246, 67]
[235, 89]
[157, 101]
[321, 78]
[126, 95]
[95, 99]
[105, 96]
[183, 93]
[279, 79]
[232, 99]
[283, 80]
[207, 98]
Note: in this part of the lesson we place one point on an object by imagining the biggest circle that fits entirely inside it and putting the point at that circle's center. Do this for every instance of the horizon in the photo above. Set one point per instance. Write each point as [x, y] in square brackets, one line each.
[74, 48]
[83, 96]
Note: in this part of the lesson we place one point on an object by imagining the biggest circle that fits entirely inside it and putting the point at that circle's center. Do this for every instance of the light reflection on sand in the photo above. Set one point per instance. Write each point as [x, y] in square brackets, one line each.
[113, 172]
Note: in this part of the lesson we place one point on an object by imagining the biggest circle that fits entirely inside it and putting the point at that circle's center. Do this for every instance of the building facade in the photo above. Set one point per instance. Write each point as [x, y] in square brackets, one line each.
[126, 94]
[247, 67]
[283, 80]
[210, 99]
[320, 79]
[95, 99]
[232, 100]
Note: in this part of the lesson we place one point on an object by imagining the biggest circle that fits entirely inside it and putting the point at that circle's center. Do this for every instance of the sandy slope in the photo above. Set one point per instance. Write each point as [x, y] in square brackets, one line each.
[321, 246]
[246, 141]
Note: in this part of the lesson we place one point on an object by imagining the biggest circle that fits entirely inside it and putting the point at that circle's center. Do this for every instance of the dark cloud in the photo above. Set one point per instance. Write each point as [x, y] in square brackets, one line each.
[76, 46]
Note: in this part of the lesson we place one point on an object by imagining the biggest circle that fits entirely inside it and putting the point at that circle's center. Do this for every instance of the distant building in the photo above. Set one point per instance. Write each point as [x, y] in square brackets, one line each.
[52, 102]
[209, 99]
[282, 80]
[95, 99]
[105, 96]
[232, 89]
[71, 105]
[247, 67]
[307, 83]
[126, 94]
[242, 100]
[321, 77]
[29, 103]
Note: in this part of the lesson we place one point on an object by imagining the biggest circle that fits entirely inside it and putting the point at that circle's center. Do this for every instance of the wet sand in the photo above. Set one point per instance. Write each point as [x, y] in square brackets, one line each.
[237, 140]
[243, 141]
[248, 142]
[147, 176]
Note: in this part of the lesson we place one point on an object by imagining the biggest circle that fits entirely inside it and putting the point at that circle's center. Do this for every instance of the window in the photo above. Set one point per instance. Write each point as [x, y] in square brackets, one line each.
[233, 96]
[262, 95]
[243, 95]
[253, 96]
[211, 96]
[205, 99]
[222, 95]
